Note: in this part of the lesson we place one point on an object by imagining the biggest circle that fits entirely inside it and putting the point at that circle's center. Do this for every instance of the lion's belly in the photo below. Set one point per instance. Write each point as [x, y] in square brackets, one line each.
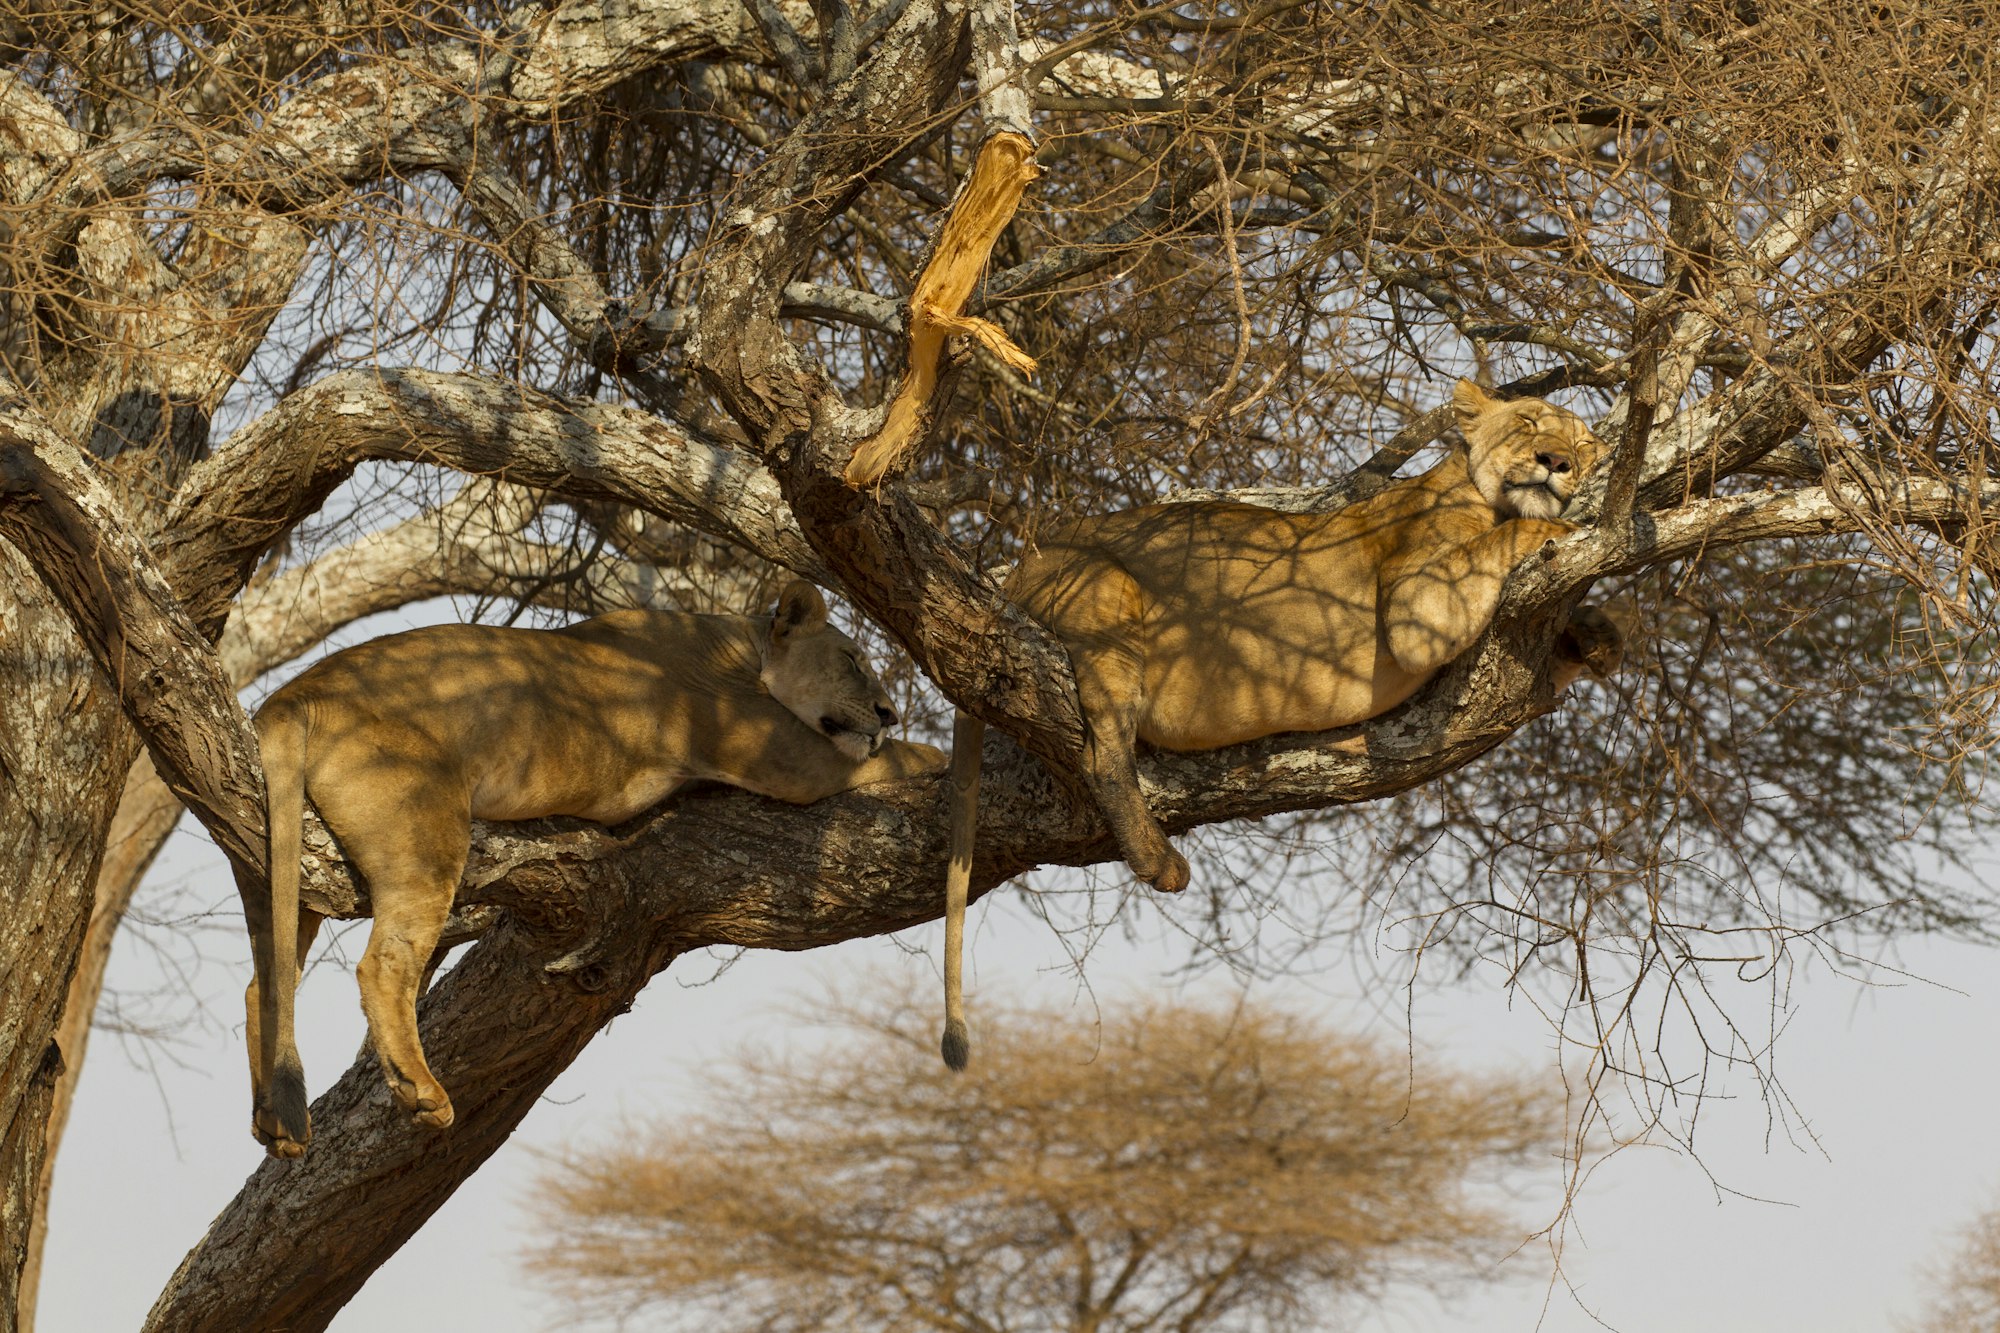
[640, 792]
[1208, 684]
[595, 773]
[1194, 710]
[604, 795]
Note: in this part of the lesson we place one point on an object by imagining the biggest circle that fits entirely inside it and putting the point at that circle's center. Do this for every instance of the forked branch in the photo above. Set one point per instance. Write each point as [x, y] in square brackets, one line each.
[276, 470]
[984, 206]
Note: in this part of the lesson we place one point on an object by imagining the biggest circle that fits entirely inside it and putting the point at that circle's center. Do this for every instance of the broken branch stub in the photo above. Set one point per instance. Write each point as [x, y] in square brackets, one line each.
[1005, 165]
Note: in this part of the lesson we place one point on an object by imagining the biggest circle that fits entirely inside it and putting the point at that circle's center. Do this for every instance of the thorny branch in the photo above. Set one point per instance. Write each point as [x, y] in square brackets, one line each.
[451, 240]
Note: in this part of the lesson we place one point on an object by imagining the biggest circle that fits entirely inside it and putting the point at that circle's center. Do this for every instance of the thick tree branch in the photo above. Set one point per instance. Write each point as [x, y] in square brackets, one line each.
[472, 544]
[275, 471]
[999, 72]
[60, 515]
[724, 867]
[147, 813]
[1659, 536]
[581, 48]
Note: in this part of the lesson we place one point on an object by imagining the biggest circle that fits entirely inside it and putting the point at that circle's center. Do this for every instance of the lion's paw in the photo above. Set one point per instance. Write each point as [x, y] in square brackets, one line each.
[426, 1102]
[279, 1141]
[435, 1117]
[1168, 875]
[280, 1145]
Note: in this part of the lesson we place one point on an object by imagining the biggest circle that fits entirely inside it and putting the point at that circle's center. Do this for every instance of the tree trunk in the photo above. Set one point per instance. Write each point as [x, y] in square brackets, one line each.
[64, 748]
[147, 813]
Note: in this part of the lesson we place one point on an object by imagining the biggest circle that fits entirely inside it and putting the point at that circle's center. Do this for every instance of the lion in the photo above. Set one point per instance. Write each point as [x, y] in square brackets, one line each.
[1197, 625]
[403, 741]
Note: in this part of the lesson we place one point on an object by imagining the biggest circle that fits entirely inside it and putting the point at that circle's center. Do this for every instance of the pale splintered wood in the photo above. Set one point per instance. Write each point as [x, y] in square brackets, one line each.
[937, 308]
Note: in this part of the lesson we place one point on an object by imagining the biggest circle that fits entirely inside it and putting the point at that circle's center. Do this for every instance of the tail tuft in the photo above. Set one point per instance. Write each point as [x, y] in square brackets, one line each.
[956, 1046]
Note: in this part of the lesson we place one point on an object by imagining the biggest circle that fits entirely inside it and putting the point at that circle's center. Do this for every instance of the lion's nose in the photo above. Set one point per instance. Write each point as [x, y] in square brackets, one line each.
[886, 714]
[1553, 462]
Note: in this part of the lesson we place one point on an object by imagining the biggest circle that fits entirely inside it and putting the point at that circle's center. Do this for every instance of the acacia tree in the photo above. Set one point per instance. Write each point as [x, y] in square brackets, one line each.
[1965, 1290]
[1182, 1166]
[705, 279]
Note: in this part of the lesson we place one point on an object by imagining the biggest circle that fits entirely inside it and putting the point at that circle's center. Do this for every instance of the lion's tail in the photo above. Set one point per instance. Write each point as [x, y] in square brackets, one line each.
[967, 735]
[281, 1076]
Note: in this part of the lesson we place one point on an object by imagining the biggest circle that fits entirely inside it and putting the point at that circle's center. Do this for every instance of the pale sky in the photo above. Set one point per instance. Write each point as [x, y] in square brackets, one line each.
[1761, 1234]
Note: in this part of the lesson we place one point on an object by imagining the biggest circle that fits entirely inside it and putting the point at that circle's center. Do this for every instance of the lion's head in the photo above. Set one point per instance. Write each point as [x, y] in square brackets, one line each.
[1527, 456]
[820, 675]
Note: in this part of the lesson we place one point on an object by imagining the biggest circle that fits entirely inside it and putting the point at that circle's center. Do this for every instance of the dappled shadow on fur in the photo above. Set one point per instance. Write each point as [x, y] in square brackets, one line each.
[403, 741]
[1200, 625]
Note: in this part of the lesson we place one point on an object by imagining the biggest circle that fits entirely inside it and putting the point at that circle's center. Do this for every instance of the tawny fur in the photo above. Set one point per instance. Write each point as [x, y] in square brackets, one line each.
[1194, 626]
[402, 741]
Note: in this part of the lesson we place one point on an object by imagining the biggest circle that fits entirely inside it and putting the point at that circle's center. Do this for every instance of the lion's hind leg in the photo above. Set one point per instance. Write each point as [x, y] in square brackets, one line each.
[411, 905]
[409, 842]
[271, 1134]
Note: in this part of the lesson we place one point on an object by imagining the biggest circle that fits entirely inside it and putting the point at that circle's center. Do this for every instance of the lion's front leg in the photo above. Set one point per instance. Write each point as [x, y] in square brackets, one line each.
[1438, 602]
[1111, 687]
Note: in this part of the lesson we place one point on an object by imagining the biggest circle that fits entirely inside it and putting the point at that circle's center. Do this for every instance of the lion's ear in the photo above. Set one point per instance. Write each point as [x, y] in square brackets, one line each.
[801, 610]
[1469, 401]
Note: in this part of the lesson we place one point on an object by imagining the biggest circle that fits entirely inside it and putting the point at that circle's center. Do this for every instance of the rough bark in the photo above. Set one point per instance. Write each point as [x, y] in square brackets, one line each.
[466, 546]
[146, 814]
[279, 469]
[592, 915]
[82, 544]
[64, 747]
[106, 542]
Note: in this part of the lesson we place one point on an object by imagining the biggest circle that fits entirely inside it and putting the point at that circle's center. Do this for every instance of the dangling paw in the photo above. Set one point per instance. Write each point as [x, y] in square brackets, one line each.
[1166, 872]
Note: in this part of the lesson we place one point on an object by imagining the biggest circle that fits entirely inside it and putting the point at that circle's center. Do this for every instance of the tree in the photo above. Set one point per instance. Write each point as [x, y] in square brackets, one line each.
[1185, 1166]
[666, 268]
[1965, 1294]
